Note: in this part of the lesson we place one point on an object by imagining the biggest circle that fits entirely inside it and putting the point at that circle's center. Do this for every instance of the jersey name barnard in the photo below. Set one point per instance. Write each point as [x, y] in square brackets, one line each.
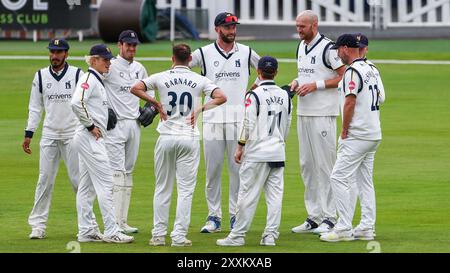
[179, 81]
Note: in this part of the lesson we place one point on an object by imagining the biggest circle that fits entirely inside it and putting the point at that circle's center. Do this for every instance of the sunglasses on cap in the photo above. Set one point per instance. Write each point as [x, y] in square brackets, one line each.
[230, 19]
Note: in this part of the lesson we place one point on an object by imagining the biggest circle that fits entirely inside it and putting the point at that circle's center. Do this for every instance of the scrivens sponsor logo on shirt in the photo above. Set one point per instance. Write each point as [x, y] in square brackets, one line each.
[180, 81]
[227, 76]
[305, 70]
[124, 89]
[59, 98]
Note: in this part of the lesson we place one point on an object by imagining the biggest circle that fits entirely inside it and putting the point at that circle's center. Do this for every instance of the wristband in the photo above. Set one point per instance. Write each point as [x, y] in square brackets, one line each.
[90, 128]
[241, 142]
[29, 134]
[320, 85]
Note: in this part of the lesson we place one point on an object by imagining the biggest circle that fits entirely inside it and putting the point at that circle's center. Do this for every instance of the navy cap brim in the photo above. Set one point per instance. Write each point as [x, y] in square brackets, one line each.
[108, 56]
[335, 46]
[230, 23]
[130, 40]
[57, 48]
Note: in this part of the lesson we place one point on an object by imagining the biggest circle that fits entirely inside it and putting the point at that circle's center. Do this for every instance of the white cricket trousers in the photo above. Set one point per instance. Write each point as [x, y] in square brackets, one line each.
[354, 163]
[95, 180]
[122, 144]
[254, 177]
[317, 145]
[218, 138]
[51, 151]
[176, 157]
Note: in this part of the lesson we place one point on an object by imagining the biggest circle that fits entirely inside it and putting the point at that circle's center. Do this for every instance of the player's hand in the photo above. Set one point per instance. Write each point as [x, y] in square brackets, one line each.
[344, 134]
[192, 119]
[96, 133]
[26, 145]
[294, 85]
[305, 89]
[162, 113]
[238, 154]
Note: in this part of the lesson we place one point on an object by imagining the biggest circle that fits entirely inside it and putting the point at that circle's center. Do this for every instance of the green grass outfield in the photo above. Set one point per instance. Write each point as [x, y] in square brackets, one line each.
[411, 174]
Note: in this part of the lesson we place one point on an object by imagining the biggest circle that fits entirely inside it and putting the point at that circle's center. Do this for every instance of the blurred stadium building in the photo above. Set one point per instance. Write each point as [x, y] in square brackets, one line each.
[260, 19]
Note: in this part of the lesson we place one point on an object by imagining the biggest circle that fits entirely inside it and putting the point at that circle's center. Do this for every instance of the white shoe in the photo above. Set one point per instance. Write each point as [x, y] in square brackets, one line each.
[94, 237]
[185, 242]
[227, 241]
[307, 227]
[267, 240]
[157, 241]
[337, 236]
[37, 234]
[212, 225]
[325, 226]
[118, 238]
[125, 228]
[363, 234]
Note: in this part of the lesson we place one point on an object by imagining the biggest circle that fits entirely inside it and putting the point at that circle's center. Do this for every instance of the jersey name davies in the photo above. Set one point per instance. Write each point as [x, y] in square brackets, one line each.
[274, 100]
[178, 81]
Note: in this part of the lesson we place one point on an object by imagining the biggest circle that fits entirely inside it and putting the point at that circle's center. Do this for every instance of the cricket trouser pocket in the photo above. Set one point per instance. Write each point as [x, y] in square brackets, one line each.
[277, 164]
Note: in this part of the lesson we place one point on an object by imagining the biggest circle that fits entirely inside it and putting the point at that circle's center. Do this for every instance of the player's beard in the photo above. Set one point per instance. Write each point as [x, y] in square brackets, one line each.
[57, 63]
[307, 35]
[128, 55]
[228, 39]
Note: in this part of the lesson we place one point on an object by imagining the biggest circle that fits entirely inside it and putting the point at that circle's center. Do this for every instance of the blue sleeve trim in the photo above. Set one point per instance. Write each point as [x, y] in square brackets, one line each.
[40, 81]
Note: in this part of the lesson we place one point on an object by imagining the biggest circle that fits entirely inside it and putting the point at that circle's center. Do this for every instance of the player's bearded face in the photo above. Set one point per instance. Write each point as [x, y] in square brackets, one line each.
[57, 58]
[227, 33]
[128, 51]
[305, 28]
[342, 53]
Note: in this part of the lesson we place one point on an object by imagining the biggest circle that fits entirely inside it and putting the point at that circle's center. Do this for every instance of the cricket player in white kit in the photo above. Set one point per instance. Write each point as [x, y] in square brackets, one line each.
[90, 105]
[122, 142]
[363, 49]
[177, 151]
[319, 71]
[51, 92]
[264, 132]
[359, 140]
[227, 64]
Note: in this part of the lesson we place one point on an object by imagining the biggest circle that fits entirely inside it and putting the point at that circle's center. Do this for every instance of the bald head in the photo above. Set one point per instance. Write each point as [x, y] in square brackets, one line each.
[307, 25]
[308, 15]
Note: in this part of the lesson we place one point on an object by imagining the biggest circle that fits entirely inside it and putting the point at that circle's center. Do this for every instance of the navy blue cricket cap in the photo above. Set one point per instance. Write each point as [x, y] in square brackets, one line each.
[268, 64]
[225, 19]
[363, 40]
[348, 40]
[58, 44]
[129, 36]
[102, 51]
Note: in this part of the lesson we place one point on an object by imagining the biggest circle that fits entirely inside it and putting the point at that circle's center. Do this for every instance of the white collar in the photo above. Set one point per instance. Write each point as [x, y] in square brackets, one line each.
[314, 41]
[181, 66]
[234, 49]
[100, 75]
[123, 61]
